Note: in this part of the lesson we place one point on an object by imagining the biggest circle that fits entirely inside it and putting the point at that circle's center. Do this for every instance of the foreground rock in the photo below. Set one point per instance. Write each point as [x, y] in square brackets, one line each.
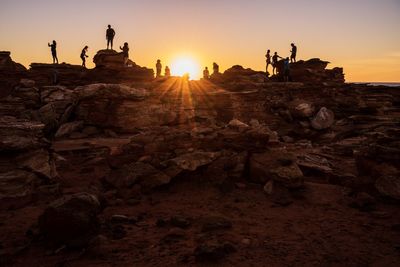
[279, 166]
[213, 251]
[120, 108]
[10, 73]
[71, 220]
[312, 71]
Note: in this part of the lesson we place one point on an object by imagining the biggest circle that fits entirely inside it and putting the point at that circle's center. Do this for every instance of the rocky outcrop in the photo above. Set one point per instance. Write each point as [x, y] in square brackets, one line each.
[57, 74]
[10, 73]
[311, 71]
[110, 59]
[71, 220]
[25, 162]
[237, 78]
[111, 63]
[6, 63]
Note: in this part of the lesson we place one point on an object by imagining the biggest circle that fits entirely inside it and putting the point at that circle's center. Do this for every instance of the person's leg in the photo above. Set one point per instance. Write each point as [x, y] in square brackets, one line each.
[112, 40]
[108, 43]
[56, 58]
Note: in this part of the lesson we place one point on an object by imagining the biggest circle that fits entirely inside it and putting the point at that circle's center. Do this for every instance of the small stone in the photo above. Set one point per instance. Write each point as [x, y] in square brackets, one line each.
[216, 223]
[240, 185]
[246, 241]
[119, 219]
[180, 221]
[213, 251]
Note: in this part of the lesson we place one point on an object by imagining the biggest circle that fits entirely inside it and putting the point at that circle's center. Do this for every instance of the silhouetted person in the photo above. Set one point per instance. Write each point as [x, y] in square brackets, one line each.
[268, 59]
[215, 68]
[167, 72]
[275, 58]
[110, 33]
[125, 52]
[84, 56]
[158, 67]
[206, 73]
[286, 70]
[54, 51]
[294, 53]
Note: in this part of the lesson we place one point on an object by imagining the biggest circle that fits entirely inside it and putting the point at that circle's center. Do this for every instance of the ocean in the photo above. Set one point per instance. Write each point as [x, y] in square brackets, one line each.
[382, 84]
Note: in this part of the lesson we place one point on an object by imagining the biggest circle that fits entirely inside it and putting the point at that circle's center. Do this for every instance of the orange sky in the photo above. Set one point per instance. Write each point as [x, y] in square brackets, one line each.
[362, 36]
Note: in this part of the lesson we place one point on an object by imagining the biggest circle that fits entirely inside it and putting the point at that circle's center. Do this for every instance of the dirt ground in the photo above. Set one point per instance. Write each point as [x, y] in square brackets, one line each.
[318, 229]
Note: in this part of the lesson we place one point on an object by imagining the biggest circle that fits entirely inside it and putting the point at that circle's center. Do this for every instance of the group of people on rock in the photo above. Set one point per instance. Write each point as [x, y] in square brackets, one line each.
[206, 72]
[167, 72]
[286, 64]
[110, 34]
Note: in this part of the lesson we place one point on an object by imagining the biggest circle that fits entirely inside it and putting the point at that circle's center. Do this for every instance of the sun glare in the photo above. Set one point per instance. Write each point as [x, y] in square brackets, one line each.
[183, 65]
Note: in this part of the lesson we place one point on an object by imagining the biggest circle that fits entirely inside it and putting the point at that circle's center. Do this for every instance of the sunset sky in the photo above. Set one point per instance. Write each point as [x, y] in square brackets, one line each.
[363, 36]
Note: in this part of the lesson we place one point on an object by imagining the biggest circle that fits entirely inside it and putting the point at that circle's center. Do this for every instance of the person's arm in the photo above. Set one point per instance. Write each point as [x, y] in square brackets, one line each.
[48, 44]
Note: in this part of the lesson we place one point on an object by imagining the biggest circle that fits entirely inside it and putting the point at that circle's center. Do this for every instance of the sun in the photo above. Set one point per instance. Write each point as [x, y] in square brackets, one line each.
[183, 65]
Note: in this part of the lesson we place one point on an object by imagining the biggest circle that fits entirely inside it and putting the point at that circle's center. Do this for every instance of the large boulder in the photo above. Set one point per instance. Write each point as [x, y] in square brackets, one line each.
[301, 108]
[389, 185]
[71, 220]
[109, 59]
[20, 135]
[6, 63]
[312, 71]
[25, 162]
[192, 161]
[10, 73]
[141, 173]
[323, 120]
[120, 108]
[279, 166]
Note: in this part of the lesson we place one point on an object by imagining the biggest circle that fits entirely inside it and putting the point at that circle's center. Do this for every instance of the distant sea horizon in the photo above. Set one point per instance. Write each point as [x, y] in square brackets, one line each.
[389, 84]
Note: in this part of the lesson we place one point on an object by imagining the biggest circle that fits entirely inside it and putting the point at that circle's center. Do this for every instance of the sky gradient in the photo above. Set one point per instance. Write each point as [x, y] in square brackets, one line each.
[363, 36]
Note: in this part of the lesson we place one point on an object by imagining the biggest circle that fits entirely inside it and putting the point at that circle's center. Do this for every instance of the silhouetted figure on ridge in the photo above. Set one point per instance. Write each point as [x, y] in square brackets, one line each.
[294, 53]
[110, 33]
[158, 67]
[125, 52]
[206, 73]
[167, 72]
[84, 56]
[268, 59]
[54, 51]
[275, 58]
[215, 68]
[286, 70]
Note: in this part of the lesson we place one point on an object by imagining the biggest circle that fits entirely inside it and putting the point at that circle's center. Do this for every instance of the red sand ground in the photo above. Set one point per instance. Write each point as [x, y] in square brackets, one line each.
[318, 229]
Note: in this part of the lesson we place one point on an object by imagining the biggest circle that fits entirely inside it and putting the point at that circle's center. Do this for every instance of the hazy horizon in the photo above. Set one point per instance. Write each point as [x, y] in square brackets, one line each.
[360, 36]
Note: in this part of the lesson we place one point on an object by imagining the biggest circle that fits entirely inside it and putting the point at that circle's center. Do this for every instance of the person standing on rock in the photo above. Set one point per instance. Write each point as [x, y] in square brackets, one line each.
[286, 70]
[294, 53]
[110, 33]
[54, 51]
[125, 52]
[215, 68]
[206, 74]
[268, 59]
[158, 68]
[84, 56]
[275, 58]
[167, 72]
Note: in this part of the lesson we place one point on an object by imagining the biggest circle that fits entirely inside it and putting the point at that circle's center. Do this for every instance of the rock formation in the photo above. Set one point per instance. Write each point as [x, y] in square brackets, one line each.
[193, 171]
